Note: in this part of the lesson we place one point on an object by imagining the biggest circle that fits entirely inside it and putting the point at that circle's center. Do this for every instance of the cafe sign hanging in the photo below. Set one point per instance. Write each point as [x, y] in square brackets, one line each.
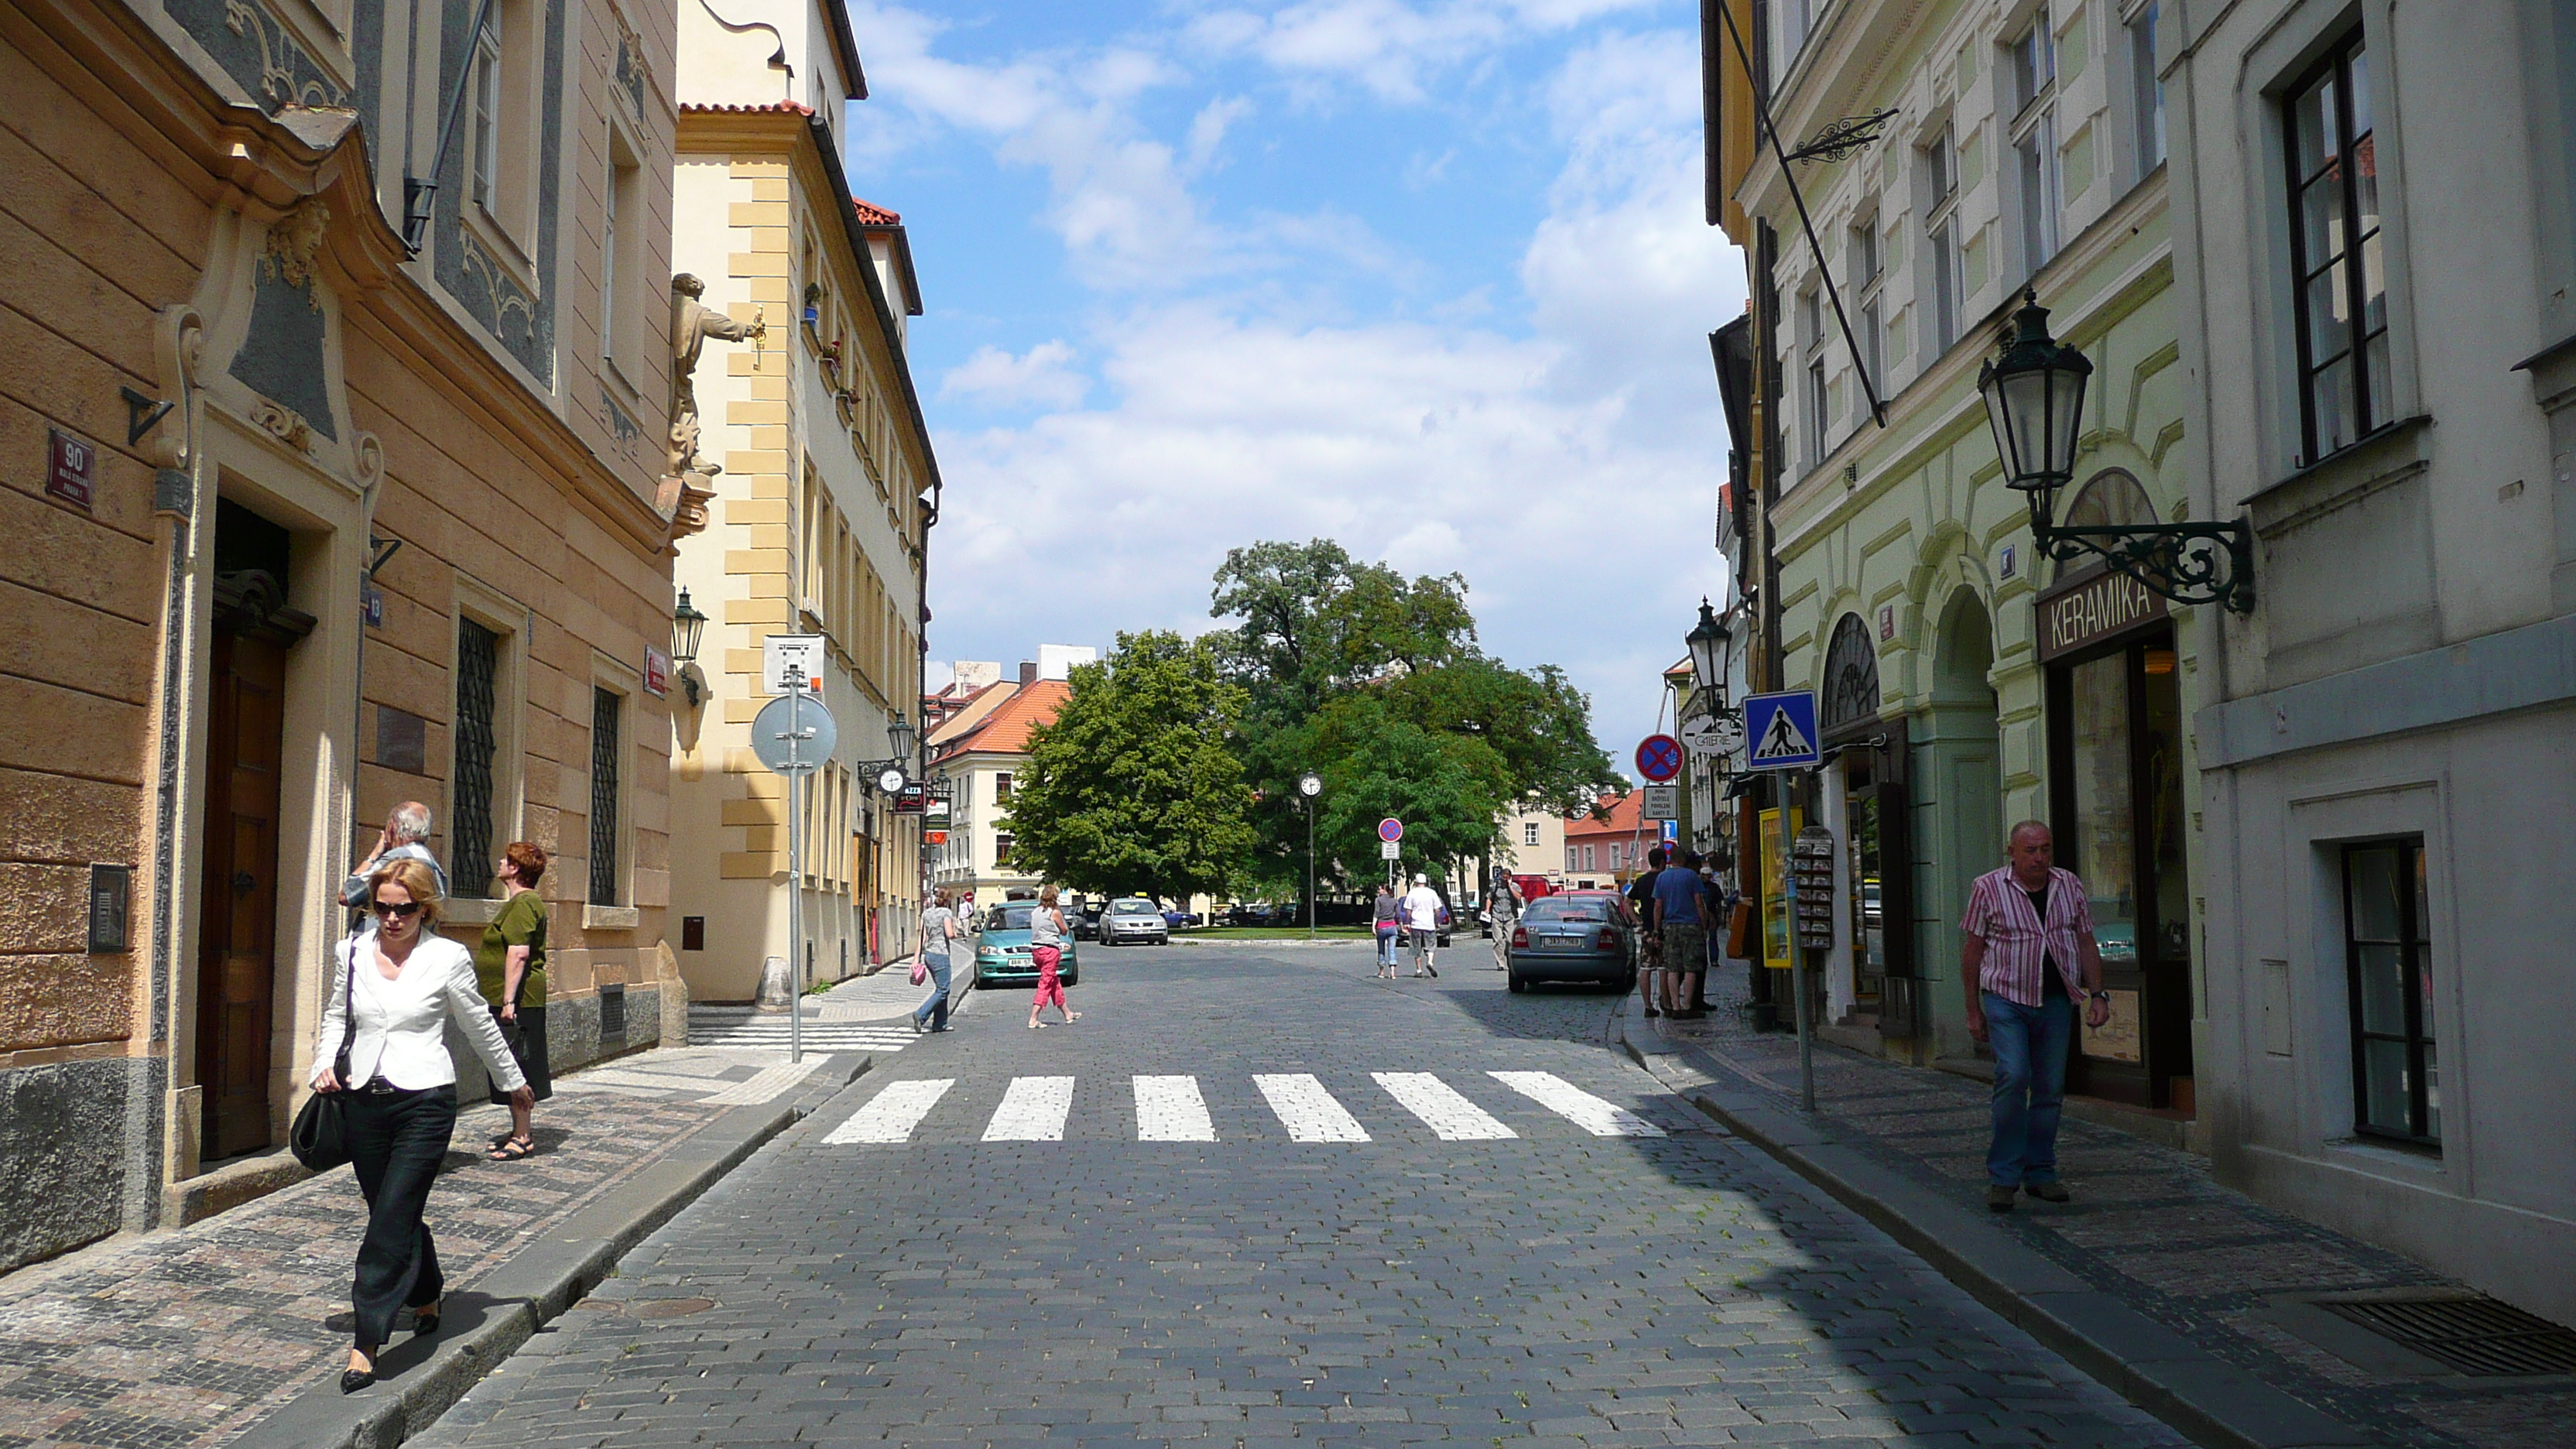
[2077, 616]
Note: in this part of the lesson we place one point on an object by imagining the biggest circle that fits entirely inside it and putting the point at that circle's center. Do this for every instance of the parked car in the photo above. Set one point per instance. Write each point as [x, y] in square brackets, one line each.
[1587, 936]
[1002, 949]
[1086, 927]
[1176, 918]
[1134, 918]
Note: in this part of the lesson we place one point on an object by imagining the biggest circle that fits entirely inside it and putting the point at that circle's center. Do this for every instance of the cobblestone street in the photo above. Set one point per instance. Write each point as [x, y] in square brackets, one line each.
[1424, 1211]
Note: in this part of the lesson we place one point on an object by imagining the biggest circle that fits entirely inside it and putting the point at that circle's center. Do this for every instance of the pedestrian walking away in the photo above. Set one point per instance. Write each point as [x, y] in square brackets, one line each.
[1680, 898]
[1502, 913]
[2027, 934]
[406, 830]
[402, 984]
[1389, 922]
[1650, 946]
[510, 967]
[1422, 924]
[938, 929]
[1046, 948]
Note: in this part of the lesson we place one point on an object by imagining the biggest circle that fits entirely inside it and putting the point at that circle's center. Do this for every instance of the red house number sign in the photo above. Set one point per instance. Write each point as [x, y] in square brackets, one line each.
[71, 475]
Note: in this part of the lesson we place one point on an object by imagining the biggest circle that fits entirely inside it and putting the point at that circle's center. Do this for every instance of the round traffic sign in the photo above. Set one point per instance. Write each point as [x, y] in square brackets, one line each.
[1659, 757]
[793, 735]
[1390, 830]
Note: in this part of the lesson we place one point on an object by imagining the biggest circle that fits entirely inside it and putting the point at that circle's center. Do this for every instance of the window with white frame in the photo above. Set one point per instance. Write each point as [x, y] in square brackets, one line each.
[1940, 172]
[1529, 832]
[1569, 859]
[2146, 89]
[503, 107]
[2341, 296]
[1811, 346]
[621, 258]
[2034, 139]
[484, 145]
[1863, 266]
[1589, 857]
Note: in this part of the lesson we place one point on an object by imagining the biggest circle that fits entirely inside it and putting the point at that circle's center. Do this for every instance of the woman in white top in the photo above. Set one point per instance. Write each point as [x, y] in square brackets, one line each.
[406, 983]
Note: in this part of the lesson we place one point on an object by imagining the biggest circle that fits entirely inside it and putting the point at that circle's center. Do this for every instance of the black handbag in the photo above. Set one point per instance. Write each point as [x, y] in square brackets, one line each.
[320, 1137]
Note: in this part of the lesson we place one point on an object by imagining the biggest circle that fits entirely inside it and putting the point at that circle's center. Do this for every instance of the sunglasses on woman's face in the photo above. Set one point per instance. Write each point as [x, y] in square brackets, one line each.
[403, 911]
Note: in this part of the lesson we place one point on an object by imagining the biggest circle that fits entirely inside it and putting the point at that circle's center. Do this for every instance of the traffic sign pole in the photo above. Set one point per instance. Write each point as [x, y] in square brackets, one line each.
[796, 866]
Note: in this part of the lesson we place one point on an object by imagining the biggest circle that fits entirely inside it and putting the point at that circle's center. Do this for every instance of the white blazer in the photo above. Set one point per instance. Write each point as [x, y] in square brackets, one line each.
[401, 1034]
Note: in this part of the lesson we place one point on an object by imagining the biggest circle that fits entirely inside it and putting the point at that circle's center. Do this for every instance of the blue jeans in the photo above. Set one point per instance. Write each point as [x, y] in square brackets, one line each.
[935, 1010]
[2030, 1086]
[1386, 947]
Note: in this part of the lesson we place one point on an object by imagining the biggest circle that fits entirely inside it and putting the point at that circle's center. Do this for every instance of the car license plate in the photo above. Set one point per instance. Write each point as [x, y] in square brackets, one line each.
[1561, 943]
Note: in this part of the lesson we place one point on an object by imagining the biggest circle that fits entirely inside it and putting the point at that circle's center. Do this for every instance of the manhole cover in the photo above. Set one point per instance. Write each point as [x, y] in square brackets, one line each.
[670, 1307]
[2477, 1336]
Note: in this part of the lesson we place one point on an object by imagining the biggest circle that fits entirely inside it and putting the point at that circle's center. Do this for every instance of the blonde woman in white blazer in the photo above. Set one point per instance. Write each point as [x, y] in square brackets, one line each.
[406, 983]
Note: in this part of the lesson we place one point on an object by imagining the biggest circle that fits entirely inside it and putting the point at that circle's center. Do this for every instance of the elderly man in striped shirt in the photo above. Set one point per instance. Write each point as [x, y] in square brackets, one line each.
[2029, 931]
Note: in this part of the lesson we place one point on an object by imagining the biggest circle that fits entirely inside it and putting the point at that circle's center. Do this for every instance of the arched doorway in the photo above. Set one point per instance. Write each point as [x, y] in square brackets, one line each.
[1957, 800]
[1869, 973]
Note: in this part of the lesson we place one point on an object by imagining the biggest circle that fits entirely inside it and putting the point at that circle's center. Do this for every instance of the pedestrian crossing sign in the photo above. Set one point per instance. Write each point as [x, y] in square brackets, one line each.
[1781, 730]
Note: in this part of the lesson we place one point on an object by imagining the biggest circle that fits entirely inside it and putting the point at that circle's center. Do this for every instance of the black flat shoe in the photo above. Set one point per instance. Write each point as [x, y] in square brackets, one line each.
[352, 1380]
[424, 1324]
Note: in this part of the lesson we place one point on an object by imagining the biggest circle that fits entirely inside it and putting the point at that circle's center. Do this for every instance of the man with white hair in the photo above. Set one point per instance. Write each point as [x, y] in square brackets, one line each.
[1422, 923]
[401, 839]
[2027, 956]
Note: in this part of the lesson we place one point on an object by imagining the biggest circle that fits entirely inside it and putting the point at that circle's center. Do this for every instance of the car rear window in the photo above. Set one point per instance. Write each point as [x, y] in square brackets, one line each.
[1562, 908]
[1010, 918]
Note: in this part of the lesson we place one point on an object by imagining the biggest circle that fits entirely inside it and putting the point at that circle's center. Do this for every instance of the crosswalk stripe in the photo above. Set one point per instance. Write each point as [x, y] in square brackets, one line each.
[1170, 1109]
[1308, 1111]
[1033, 1110]
[1584, 1110]
[891, 1115]
[1450, 1116]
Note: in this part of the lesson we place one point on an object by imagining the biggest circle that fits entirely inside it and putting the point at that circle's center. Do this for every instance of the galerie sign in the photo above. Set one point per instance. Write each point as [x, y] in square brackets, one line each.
[2092, 610]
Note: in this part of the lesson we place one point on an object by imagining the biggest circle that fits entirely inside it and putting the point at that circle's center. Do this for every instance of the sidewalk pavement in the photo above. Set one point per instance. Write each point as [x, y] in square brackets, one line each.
[2190, 1298]
[239, 1324]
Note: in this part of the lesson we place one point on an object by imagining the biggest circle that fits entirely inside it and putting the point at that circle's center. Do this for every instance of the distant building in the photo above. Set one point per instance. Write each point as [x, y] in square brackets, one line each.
[1534, 844]
[1606, 851]
[979, 757]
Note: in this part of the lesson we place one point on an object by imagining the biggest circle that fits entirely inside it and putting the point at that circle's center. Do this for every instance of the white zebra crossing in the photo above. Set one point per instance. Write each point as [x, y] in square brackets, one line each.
[1584, 1110]
[1032, 1110]
[1451, 1117]
[891, 1115]
[1170, 1108]
[1308, 1111]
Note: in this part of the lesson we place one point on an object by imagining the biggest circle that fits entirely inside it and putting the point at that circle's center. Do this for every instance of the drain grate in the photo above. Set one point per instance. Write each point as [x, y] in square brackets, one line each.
[2477, 1336]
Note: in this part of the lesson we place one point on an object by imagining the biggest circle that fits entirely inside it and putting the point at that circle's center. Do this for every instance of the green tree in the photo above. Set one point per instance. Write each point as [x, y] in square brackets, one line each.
[1135, 786]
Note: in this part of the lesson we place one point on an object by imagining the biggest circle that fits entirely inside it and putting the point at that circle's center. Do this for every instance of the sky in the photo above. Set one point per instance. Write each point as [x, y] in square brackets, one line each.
[1428, 277]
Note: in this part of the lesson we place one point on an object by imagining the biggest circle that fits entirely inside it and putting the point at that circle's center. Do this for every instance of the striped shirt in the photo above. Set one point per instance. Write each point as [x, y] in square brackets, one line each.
[2018, 941]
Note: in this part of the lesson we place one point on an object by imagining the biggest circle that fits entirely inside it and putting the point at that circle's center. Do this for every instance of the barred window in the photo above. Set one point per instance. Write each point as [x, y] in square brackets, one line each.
[607, 709]
[469, 819]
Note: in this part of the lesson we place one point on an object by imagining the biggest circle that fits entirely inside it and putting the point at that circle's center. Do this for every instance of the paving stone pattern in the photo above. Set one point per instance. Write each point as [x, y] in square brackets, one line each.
[188, 1337]
[1553, 1288]
[2149, 1225]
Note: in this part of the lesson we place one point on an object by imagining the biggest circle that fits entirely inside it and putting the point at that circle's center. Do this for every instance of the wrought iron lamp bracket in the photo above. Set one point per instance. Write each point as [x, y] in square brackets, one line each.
[2187, 563]
[1839, 139]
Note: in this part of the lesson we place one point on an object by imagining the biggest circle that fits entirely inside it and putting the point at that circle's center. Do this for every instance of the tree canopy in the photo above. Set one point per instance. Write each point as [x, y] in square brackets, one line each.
[1136, 786]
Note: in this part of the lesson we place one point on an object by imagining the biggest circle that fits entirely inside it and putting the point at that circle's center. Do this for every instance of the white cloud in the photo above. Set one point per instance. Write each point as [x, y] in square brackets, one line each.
[1388, 47]
[1043, 375]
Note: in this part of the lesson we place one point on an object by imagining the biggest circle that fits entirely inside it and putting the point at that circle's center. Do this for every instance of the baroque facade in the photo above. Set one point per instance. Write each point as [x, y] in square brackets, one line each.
[351, 495]
[823, 489]
[1963, 682]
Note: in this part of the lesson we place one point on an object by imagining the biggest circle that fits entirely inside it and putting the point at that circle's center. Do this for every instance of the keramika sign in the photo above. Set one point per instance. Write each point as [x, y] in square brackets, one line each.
[2079, 615]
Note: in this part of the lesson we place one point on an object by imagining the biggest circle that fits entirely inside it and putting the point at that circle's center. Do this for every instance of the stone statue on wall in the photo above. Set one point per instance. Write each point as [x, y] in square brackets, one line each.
[692, 323]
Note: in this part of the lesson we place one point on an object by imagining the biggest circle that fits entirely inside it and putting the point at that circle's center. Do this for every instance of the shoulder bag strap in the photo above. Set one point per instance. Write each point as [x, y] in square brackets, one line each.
[349, 1015]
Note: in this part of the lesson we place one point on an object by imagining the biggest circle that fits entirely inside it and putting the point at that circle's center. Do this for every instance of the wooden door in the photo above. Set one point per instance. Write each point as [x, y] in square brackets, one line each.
[236, 954]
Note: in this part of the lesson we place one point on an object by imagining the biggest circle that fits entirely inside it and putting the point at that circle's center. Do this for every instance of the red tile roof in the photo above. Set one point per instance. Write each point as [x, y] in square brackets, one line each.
[1006, 730]
[788, 107]
[871, 214]
[1625, 813]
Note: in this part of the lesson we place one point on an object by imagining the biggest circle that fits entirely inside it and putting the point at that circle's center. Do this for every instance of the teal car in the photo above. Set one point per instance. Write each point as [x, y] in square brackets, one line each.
[1002, 949]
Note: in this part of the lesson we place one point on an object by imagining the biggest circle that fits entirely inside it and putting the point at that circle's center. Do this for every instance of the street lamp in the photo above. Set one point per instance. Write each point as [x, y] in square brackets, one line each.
[1310, 785]
[688, 626]
[1710, 651]
[2034, 393]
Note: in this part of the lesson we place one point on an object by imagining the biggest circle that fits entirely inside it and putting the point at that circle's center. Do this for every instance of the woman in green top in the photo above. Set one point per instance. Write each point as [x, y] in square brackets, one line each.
[510, 965]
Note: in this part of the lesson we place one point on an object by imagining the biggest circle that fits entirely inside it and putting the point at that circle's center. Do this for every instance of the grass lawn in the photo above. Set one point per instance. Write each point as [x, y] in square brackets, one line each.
[1273, 933]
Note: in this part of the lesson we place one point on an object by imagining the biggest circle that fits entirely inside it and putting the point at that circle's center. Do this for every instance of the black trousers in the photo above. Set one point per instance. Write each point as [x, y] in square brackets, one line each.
[526, 1038]
[396, 1141]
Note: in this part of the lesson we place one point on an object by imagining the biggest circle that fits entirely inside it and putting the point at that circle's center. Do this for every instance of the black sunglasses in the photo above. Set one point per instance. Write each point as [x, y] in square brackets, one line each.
[405, 910]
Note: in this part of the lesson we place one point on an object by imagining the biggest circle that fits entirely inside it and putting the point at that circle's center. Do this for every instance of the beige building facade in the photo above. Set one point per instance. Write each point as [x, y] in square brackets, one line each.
[820, 516]
[352, 494]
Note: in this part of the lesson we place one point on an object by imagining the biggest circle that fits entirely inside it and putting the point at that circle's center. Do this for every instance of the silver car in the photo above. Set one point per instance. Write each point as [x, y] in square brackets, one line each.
[1587, 936]
[1134, 918]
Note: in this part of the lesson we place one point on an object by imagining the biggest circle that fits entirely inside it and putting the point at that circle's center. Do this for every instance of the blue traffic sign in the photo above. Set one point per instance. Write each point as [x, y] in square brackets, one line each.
[1780, 730]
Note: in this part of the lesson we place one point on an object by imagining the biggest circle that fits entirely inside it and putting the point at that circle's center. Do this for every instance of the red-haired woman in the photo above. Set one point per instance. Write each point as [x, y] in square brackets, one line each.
[510, 966]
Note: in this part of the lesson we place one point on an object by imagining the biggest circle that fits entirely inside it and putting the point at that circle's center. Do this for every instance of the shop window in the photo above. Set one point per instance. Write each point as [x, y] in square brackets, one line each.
[2340, 295]
[2388, 953]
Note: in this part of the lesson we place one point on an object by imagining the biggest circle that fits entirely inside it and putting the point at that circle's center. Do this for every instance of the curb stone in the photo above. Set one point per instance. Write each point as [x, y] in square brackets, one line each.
[484, 1325]
[2214, 1403]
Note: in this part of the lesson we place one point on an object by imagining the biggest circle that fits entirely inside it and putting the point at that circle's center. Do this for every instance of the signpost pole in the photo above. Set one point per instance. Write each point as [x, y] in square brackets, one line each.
[796, 866]
[1798, 979]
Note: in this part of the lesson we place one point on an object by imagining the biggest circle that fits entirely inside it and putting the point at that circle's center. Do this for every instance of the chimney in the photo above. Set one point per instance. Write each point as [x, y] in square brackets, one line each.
[1028, 672]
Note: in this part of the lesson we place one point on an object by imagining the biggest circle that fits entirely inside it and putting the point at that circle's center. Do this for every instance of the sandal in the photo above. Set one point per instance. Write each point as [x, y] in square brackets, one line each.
[510, 1149]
